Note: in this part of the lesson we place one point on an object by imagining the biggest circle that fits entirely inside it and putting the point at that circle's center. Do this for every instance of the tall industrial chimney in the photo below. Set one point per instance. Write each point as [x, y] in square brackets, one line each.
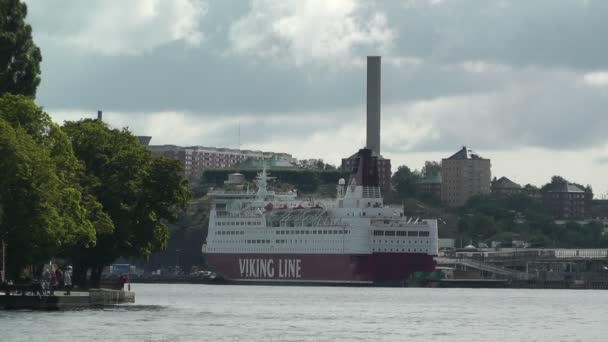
[373, 103]
[99, 115]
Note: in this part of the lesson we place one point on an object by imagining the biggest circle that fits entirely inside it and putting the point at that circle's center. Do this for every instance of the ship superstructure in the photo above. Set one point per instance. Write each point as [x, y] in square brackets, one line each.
[354, 238]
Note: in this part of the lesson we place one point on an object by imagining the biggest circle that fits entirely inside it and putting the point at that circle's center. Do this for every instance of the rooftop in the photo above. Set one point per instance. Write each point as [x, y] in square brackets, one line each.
[565, 187]
[506, 183]
[464, 154]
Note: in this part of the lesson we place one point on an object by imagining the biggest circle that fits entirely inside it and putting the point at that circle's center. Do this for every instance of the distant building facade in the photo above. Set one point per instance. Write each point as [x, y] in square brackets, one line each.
[463, 175]
[384, 169]
[568, 201]
[430, 186]
[505, 186]
[196, 159]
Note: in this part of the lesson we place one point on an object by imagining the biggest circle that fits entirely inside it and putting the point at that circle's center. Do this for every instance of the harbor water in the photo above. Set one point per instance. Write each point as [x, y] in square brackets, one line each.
[290, 313]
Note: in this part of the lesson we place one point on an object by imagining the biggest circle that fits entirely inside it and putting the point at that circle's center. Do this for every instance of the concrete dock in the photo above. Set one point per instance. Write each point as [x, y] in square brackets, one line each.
[58, 301]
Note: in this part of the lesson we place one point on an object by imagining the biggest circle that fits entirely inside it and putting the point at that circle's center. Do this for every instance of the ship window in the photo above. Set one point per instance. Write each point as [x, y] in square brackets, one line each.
[378, 233]
[297, 232]
[424, 233]
[389, 233]
[314, 232]
[412, 233]
[325, 232]
[401, 233]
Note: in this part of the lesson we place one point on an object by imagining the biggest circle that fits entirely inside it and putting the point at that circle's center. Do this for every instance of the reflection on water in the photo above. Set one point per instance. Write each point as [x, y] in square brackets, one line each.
[260, 313]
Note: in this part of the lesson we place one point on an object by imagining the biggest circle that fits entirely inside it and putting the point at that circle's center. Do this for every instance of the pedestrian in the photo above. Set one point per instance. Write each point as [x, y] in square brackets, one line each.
[67, 280]
[45, 280]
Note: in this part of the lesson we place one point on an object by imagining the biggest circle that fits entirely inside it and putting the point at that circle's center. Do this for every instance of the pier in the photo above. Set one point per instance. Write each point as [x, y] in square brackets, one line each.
[530, 267]
[26, 297]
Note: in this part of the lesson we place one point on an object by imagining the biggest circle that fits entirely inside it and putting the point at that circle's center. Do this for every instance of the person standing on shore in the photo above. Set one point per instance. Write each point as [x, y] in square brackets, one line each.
[67, 280]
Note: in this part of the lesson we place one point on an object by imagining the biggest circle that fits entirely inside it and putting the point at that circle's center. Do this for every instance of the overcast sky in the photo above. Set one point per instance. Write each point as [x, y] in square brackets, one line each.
[524, 83]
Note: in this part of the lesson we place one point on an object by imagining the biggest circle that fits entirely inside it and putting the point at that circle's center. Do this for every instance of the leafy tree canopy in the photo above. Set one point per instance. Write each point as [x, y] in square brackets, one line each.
[139, 192]
[43, 210]
[430, 168]
[19, 57]
[404, 181]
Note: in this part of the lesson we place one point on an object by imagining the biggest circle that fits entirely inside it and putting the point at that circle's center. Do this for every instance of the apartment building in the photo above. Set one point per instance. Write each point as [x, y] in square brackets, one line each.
[199, 158]
[464, 174]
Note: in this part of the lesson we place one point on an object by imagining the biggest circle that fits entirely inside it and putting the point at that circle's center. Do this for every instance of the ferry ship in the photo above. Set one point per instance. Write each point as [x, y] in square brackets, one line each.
[267, 237]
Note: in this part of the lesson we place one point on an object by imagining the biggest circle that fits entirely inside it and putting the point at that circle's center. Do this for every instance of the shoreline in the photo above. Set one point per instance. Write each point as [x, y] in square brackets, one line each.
[444, 283]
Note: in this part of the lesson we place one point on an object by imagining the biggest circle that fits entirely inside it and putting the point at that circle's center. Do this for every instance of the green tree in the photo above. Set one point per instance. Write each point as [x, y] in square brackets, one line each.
[139, 191]
[19, 57]
[42, 204]
[430, 168]
[404, 181]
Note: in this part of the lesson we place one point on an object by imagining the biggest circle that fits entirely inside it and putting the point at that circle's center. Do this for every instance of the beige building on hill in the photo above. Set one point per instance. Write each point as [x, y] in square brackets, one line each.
[196, 159]
[464, 174]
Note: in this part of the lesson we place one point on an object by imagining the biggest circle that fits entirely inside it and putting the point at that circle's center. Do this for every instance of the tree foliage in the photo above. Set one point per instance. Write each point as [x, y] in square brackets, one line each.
[522, 217]
[139, 192]
[19, 57]
[43, 209]
[404, 181]
[430, 168]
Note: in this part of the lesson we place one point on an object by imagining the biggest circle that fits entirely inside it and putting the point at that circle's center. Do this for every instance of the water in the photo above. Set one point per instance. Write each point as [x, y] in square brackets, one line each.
[261, 313]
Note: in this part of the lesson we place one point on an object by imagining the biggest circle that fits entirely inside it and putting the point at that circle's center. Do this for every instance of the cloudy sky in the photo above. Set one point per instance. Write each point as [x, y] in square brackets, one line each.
[524, 83]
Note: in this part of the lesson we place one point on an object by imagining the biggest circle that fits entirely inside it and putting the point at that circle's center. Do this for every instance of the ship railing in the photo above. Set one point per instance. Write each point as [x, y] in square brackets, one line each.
[389, 222]
[225, 214]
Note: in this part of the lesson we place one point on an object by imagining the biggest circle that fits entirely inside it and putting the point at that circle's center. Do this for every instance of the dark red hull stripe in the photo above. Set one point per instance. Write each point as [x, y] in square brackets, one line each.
[377, 267]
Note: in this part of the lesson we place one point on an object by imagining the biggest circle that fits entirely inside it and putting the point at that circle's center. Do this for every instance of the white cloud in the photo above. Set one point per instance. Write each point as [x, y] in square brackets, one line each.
[301, 32]
[596, 78]
[479, 67]
[117, 27]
